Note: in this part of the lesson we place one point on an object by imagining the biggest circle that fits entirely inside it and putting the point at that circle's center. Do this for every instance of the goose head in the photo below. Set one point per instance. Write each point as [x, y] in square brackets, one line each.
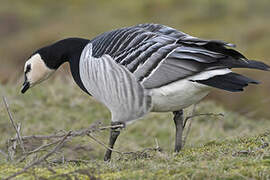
[35, 72]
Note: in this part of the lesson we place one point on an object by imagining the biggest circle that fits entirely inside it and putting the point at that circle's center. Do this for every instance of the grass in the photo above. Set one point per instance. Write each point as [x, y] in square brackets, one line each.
[217, 148]
[29, 25]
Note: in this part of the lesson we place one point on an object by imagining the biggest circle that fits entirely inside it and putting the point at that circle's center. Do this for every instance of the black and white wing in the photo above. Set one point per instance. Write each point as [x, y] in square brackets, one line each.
[158, 55]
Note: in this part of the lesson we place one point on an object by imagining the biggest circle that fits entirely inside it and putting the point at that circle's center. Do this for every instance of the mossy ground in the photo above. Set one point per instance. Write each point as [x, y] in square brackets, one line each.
[229, 147]
[239, 158]
[217, 148]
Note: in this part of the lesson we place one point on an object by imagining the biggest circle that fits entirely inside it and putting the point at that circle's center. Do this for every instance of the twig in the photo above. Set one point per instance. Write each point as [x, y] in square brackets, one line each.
[104, 145]
[120, 152]
[189, 125]
[60, 161]
[157, 145]
[80, 133]
[39, 137]
[13, 124]
[12, 148]
[202, 114]
[40, 148]
[56, 148]
[187, 133]
[74, 133]
[114, 126]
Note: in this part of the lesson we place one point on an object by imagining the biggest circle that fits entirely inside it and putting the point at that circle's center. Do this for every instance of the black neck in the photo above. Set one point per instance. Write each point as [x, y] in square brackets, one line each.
[66, 50]
[62, 51]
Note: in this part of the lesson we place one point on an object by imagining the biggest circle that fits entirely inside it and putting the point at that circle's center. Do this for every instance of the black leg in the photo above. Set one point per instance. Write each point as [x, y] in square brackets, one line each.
[113, 136]
[178, 121]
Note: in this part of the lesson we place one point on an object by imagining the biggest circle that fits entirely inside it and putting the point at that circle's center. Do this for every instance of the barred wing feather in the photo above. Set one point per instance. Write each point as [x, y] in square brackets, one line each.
[158, 55]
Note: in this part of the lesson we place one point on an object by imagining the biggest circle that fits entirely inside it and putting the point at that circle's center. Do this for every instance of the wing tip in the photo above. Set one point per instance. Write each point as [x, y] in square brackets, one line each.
[253, 64]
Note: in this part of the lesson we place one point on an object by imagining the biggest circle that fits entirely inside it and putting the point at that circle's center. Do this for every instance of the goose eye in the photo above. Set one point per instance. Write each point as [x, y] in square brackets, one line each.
[28, 68]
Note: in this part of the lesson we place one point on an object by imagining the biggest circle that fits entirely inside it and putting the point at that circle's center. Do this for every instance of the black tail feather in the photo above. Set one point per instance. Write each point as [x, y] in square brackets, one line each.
[237, 59]
[258, 65]
[244, 63]
[232, 82]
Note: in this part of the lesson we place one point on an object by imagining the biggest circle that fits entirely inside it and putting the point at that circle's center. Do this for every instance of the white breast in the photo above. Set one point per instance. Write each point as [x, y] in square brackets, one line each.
[177, 95]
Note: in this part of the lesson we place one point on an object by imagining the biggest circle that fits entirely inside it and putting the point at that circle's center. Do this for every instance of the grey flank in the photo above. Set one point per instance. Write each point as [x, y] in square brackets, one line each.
[114, 86]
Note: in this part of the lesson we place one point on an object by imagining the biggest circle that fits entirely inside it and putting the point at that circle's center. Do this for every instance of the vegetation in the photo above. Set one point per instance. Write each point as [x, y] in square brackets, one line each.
[29, 25]
[240, 158]
[235, 146]
[232, 146]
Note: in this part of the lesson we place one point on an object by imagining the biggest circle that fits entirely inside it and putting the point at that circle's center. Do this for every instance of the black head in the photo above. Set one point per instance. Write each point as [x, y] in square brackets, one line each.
[43, 62]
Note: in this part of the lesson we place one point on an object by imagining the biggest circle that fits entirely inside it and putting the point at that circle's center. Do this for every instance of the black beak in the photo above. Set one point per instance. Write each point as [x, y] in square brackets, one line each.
[25, 87]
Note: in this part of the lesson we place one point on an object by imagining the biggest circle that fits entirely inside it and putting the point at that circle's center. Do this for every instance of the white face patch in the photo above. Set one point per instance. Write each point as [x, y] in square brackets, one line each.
[36, 70]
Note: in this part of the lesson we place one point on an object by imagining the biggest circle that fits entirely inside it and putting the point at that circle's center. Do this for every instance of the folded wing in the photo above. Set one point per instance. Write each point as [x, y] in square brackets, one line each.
[158, 55]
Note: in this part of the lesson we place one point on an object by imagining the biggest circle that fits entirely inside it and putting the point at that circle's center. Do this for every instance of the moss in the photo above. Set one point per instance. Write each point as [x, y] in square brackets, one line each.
[211, 160]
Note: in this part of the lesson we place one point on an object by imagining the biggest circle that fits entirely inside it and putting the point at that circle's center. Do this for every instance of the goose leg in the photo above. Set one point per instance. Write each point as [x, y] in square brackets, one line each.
[178, 121]
[114, 133]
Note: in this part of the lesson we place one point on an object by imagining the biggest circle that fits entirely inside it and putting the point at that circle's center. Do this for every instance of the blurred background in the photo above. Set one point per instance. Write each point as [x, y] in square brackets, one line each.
[30, 24]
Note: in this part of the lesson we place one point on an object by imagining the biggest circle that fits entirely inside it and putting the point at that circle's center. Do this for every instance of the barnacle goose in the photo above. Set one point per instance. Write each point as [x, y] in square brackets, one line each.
[144, 68]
